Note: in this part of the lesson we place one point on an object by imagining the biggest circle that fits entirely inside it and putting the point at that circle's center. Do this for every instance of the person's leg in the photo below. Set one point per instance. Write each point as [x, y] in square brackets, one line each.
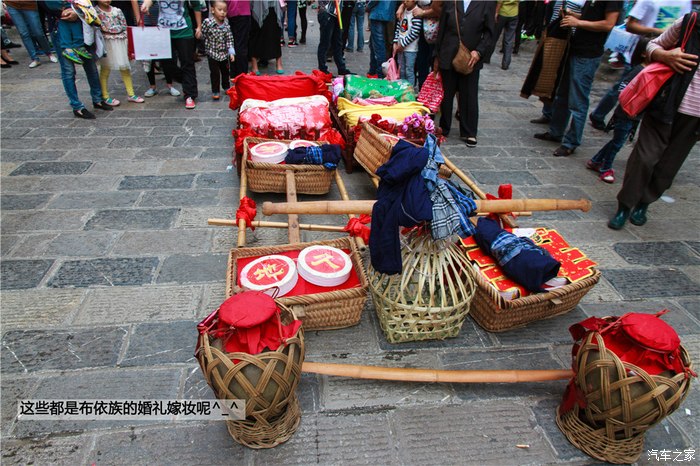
[337, 44]
[214, 75]
[651, 144]
[128, 82]
[360, 21]
[225, 70]
[685, 132]
[324, 22]
[607, 103]
[104, 78]
[508, 40]
[151, 75]
[20, 22]
[372, 56]
[37, 30]
[67, 76]
[376, 41]
[93, 78]
[409, 66]
[468, 87]
[620, 135]
[240, 25]
[582, 73]
[185, 51]
[304, 24]
[449, 86]
[292, 20]
[560, 106]
[351, 33]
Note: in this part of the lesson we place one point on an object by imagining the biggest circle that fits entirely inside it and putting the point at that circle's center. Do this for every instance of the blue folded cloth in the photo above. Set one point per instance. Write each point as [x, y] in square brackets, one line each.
[327, 155]
[519, 258]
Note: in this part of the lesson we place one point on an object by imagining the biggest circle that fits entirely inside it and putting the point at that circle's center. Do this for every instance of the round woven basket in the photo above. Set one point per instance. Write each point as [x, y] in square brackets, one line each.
[266, 381]
[260, 434]
[430, 299]
[622, 401]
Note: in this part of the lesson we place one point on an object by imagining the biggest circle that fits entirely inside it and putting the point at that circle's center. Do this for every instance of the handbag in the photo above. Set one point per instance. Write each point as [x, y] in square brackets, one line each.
[639, 93]
[150, 43]
[431, 92]
[463, 57]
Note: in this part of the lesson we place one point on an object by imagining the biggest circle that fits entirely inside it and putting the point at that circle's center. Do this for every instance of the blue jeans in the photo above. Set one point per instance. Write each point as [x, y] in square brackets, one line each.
[292, 19]
[407, 66]
[377, 47]
[507, 25]
[68, 77]
[331, 36]
[29, 28]
[609, 100]
[357, 18]
[607, 154]
[572, 100]
[70, 34]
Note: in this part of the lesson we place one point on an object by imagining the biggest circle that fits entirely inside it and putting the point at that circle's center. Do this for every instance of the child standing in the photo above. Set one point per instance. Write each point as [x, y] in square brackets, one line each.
[622, 124]
[70, 33]
[114, 31]
[218, 44]
[408, 30]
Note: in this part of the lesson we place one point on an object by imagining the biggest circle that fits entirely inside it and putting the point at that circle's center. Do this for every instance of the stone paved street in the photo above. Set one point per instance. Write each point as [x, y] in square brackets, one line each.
[108, 264]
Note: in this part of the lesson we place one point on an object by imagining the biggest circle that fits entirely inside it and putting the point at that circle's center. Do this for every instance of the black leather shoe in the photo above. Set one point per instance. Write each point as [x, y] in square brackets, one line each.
[543, 120]
[620, 218]
[599, 125]
[547, 137]
[639, 214]
[84, 114]
[102, 105]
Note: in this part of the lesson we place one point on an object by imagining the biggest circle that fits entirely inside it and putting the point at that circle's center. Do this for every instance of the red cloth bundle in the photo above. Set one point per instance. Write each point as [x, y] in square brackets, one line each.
[250, 86]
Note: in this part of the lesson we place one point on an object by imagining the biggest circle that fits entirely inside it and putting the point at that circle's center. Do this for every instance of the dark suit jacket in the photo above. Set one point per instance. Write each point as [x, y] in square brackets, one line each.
[476, 27]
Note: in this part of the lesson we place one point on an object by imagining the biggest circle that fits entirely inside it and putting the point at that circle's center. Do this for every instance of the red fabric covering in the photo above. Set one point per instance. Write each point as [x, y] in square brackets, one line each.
[249, 86]
[247, 211]
[249, 322]
[303, 287]
[505, 191]
[357, 227]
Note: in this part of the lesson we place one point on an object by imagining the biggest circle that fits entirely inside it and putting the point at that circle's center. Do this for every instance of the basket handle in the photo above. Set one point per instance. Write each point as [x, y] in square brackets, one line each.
[556, 301]
[298, 310]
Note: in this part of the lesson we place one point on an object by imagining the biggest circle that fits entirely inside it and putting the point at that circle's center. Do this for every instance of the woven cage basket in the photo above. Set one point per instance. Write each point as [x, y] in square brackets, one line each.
[430, 299]
[261, 433]
[266, 381]
[321, 311]
[622, 401]
[372, 151]
[271, 177]
[494, 313]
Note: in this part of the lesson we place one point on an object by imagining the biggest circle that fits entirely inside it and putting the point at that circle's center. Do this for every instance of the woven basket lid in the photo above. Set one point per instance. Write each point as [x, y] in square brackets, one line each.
[651, 332]
[247, 309]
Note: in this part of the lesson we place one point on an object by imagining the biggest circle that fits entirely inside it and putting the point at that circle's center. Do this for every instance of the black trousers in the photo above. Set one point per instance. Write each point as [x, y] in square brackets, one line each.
[304, 22]
[185, 53]
[656, 158]
[468, 99]
[240, 26]
[219, 74]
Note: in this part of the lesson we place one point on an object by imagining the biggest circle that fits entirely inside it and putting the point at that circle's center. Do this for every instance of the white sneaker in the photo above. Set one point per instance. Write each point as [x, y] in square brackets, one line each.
[34, 63]
[174, 92]
[150, 92]
[53, 58]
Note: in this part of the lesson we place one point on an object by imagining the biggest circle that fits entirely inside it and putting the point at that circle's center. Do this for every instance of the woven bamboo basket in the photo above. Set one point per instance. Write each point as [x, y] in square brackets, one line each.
[497, 314]
[622, 401]
[266, 381]
[271, 177]
[430, 299]
[321, 311]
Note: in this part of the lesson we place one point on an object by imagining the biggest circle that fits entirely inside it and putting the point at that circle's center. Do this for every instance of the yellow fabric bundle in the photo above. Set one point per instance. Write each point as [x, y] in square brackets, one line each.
[351, 113]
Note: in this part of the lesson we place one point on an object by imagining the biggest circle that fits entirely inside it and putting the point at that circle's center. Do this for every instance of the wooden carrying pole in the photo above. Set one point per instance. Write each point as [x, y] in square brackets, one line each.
[435, 375]
[365, 207]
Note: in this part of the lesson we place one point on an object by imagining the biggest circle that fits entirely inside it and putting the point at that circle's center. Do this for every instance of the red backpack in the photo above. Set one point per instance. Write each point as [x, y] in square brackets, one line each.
[639, 93]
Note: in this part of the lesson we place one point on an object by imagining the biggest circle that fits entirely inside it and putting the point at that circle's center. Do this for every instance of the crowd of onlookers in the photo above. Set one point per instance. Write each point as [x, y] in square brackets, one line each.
[451, 38]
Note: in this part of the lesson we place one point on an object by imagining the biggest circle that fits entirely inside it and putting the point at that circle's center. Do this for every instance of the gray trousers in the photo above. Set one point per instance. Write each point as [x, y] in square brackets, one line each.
[656, 158]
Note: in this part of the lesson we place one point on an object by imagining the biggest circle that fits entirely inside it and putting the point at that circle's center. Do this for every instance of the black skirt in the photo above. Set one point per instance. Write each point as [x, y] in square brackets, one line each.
[265, 40]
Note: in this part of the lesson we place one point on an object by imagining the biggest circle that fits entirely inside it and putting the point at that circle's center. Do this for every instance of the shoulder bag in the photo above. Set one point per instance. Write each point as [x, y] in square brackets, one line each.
[461, 61]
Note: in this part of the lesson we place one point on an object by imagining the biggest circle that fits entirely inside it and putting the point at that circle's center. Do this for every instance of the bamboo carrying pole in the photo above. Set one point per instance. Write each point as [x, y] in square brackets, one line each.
[242, 193]
[365, 207]
[344, 195]
[435, 375]
[224, 222]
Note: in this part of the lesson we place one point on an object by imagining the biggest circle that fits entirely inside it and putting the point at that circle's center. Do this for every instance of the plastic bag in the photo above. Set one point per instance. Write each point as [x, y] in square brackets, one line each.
[431, 92]
[390, 68]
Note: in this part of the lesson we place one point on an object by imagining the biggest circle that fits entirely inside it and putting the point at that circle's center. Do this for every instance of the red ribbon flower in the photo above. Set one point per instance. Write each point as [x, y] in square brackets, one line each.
[247, 211]
[357, 227]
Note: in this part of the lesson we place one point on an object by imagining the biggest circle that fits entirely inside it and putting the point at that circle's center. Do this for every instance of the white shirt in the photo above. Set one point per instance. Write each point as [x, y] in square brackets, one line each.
[659, 14]
[466, 4]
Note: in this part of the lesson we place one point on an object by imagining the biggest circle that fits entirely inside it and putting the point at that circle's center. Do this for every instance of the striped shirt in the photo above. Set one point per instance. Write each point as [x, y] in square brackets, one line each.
[690, 105]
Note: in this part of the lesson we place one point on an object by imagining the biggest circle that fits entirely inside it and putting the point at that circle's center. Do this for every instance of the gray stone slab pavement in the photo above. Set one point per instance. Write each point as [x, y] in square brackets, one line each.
[108, 263]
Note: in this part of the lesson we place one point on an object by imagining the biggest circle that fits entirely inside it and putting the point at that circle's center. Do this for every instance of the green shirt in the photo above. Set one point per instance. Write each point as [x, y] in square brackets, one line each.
[509, 8]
